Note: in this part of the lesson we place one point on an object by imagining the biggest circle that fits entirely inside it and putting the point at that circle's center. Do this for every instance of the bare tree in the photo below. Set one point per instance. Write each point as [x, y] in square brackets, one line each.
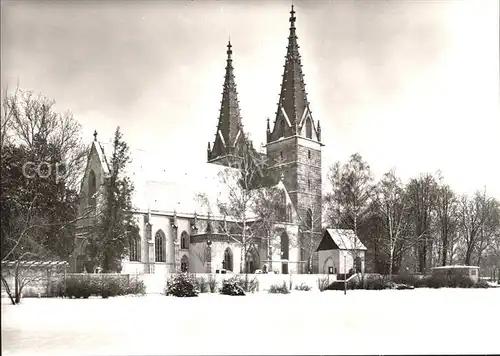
[22, 244]
[241, 179]
[446, 210]
[30, 120]
[310, 238]
[7, 117]
[348, 205]
[471, 221]
[393, 208]
[421, 194]
[270, 207]
[490, 216]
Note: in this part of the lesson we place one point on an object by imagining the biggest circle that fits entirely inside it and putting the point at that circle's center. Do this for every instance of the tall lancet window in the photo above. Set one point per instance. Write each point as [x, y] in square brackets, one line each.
[92, 188]
[160, 244]
[309, 219]
[135, 249]
[308, 128]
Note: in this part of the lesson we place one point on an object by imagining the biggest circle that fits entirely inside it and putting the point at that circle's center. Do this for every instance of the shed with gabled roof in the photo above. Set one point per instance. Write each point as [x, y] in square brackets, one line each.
[340, 251]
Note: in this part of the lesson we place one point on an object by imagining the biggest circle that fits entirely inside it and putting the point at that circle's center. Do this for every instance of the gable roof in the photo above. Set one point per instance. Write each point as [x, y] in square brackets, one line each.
[97, 147]
[340, 239]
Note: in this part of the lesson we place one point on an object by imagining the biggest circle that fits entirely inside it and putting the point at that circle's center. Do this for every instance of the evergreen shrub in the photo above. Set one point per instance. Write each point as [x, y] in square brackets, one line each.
[181, 285]
[279, 288]
[232, 287]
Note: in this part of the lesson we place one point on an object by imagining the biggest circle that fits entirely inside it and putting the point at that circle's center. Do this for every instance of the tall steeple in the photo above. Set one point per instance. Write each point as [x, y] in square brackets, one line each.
[293, 105]
[229, 127]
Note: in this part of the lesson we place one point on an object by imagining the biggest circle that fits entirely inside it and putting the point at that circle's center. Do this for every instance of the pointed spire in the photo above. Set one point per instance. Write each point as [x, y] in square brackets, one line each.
[293, 97]
[229, 125]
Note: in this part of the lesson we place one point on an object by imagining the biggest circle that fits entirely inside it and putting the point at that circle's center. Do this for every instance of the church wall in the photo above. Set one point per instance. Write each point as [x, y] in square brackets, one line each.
[195, 263]
[160, 222]
[329, 258]
[293, 250]
[218, 249]
[183, 224]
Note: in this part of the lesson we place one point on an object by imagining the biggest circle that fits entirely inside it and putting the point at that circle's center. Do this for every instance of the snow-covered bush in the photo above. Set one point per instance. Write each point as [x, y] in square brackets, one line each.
[279, 288]
[75, 287]
[323, 283]
[232, 287]
[443, 282]
[79, 288]
[111, 288]
[181, 285]
[248, 285]
[373, 283]
[303, 286]
[212, 283]
[405, 279]
[202, 284]
[481, 284]
[136, 287]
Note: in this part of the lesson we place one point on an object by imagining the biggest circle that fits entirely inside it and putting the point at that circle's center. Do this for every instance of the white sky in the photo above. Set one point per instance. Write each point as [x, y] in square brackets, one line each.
[407, 84]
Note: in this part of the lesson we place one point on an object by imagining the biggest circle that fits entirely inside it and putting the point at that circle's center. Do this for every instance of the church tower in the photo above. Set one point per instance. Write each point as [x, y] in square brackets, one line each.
[294, 144]
[229, 128]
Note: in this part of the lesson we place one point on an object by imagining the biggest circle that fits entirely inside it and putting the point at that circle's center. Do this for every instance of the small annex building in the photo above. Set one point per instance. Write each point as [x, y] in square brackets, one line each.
[471, 272]
[339, 251]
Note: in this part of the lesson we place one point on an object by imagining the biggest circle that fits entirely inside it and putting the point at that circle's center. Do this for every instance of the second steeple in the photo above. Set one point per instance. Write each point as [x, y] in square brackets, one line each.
[229, 127]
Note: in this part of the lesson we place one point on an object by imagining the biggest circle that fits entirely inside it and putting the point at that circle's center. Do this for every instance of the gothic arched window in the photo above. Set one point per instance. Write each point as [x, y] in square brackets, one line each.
[184, 264]
[289, 213]
[227, 263]
[282, 128]
[308, 128]
[309, 219]
[160, 245]
[184, 240]
[92, 188]
[281, 207]
[135, 249]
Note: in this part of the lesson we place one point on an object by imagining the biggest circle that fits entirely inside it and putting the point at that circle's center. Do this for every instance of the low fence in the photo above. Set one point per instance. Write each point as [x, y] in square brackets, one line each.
[43, 284]
[38, 277]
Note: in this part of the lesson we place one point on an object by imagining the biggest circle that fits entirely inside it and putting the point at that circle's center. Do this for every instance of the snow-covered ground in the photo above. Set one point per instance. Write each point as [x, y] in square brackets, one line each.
[374, 322]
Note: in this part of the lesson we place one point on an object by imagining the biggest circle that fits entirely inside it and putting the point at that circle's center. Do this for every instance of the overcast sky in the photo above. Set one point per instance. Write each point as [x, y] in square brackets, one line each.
[411, 85]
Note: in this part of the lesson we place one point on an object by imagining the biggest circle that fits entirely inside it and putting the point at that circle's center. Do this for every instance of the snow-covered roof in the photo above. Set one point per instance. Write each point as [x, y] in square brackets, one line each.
[23, 263]
[102, 156]
[199, 190]
[454, 267]
[164, 186]
[346, 239]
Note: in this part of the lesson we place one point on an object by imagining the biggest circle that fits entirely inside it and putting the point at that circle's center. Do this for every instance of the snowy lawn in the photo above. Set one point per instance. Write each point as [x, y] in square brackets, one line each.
[374, 322]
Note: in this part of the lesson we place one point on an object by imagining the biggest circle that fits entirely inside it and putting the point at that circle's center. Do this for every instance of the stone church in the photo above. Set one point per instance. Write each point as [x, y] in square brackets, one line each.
[181, 232]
